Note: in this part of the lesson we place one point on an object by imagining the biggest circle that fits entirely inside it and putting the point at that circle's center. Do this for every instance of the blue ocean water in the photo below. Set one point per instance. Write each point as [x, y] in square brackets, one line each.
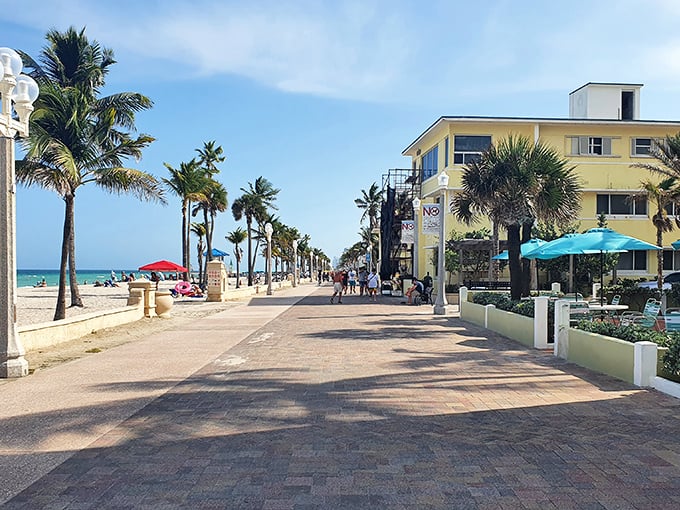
[29, 277]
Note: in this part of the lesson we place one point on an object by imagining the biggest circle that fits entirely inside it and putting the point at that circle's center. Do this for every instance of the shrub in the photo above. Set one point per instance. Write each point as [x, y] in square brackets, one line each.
[631, 334]
[671, 360]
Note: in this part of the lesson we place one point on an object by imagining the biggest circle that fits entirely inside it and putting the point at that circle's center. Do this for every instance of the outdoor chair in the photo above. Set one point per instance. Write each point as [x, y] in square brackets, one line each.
[579, 311]
[647, 318]
[672, 319]
[616, 300]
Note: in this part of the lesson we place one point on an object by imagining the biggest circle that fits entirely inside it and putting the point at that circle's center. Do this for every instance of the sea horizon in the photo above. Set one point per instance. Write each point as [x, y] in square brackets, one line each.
[31, 277]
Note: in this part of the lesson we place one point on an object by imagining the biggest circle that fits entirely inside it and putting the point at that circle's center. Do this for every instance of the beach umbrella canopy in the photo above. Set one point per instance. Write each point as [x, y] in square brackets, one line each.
[217, 253]
[527, 247]
[593, 241]
[163, 265]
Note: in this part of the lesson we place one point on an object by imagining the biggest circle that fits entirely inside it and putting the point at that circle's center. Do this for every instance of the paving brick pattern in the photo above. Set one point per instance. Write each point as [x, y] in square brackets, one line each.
[362, 405]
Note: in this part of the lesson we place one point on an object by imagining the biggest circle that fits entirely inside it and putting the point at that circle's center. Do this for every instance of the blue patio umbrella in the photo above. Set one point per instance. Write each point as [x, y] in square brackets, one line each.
[527, 247]
[218, 253]
[593, 241]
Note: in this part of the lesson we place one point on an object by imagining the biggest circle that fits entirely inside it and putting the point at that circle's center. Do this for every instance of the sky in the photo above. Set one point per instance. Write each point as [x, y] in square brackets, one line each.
[321, 97]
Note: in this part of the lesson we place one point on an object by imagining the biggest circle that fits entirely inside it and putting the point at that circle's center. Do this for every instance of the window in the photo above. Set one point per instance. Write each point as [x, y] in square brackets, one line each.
[591, 146]
[641, 146]
[622, 204]
[632, 261]
[446, 152]
[672, 209]
[671, 260]
[430, 162]
[467, 148]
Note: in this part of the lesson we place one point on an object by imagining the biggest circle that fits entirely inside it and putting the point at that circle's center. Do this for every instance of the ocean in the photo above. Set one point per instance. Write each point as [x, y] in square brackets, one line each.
[29, 277]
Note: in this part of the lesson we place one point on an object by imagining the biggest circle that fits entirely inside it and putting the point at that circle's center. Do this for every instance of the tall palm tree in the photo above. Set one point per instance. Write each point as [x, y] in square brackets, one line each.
[188, 183]
[236, 237]
[199, 230]
[370, 201]
[78, 137]
[213, 200]
[663, 194]
[667, 155]
[518, 181]
[253, 205]
[216, 193]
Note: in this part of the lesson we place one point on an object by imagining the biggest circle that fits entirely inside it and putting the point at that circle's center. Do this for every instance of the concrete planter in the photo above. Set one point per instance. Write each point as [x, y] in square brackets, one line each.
[164, 302]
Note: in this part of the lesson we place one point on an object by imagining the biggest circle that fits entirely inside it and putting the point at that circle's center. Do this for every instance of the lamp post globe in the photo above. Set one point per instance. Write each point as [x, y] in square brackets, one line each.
[295, 264]
[269, 230]
[440, 303]
[18, 94]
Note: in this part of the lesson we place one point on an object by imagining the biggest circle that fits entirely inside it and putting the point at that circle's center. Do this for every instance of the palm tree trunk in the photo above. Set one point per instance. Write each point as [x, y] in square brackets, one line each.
[187, 241]
[199, 256]
[526, 264]
[249, 222]
[185, 251]
[60, 311]
[659, 258]
[208, 243]
[76, 300]
[514, 262]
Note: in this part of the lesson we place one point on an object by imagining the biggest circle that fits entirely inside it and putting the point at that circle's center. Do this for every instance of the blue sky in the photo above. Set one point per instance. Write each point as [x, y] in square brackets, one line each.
[321, 97]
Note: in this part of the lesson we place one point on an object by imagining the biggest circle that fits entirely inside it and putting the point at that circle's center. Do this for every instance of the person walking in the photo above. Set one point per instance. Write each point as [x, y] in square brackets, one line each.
[363, 277]
[337, 286]
[372, 282]
[352, 279]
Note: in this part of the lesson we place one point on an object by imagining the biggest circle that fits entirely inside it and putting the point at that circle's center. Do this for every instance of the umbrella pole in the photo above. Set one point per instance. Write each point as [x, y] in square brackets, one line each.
[601, 277]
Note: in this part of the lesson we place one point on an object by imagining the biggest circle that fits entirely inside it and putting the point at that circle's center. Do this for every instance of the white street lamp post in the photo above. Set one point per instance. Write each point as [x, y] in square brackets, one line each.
[416, 229]
[269, 230]
[295, 264]
[18, 93]
[440, 304]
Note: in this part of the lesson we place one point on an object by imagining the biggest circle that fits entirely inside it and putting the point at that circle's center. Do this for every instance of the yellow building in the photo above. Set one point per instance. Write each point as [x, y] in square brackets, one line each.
[603, 137]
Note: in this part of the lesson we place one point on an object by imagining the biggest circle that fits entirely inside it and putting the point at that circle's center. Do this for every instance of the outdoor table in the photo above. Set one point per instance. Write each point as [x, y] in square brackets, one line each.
[606, 310]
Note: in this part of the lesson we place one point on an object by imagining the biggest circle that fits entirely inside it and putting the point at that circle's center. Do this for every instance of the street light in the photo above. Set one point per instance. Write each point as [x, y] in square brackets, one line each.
[269, 230]
[441, 303]
[295, 244]
[18, 93]
[416, 210]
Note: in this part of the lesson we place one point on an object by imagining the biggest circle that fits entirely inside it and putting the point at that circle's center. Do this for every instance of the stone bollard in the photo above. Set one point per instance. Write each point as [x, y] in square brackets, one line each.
[149, 290]
[136, 297]
[217, 281]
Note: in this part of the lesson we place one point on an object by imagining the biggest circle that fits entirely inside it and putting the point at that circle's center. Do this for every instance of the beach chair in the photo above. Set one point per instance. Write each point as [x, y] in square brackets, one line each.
[579, 311]
[647, 318]
[616, 300]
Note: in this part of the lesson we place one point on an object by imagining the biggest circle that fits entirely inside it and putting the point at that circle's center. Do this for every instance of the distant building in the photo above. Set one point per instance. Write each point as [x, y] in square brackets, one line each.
[602, 137]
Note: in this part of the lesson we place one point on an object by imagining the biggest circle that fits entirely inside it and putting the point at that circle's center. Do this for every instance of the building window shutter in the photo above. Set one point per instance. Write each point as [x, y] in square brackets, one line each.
[606, 146]
[583, 145]
[574, 145]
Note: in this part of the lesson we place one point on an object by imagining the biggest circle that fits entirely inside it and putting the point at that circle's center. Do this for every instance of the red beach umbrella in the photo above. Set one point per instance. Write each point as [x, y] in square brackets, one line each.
[163, 265]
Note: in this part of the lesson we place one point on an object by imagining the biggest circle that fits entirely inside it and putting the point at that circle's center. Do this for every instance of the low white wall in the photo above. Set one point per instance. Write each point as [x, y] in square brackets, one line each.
[46, 334]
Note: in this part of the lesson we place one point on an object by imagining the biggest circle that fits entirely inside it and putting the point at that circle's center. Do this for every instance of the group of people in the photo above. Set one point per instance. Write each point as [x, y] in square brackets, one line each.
[345, 281]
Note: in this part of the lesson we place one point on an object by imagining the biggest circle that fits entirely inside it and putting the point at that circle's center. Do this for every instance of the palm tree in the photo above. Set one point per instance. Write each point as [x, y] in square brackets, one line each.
[236, 237]
[253, 205]
[78, 137]
[199, 230]
[213, 200]
[370, 202]
[188, 183]
[517, 182]
[664, 194]
[216, 194]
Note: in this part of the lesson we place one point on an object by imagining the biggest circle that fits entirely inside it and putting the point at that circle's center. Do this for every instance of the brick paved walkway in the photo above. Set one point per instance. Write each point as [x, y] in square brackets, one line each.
[362, 405]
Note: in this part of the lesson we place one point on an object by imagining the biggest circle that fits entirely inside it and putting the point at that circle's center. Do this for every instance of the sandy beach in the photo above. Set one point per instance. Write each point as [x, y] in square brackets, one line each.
[36, 305]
